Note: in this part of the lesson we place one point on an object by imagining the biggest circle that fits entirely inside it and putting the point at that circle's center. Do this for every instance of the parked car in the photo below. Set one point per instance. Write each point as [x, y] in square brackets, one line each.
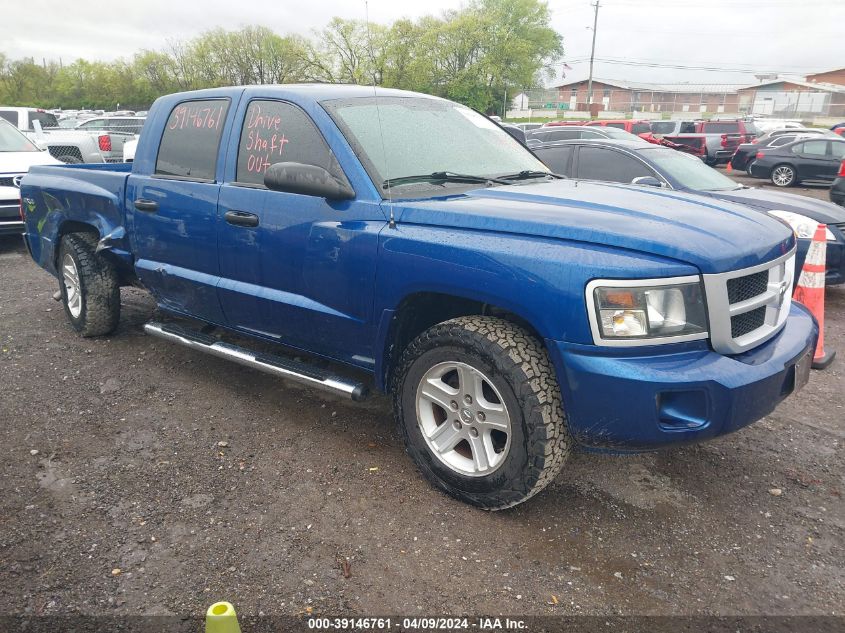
[566, 132]
[129, 148]
[514, 131]
[808, 131]
[644, 164]
[118, 129]
[805, 160]
[712, 141]
[17, 155]
[837, 190]
[744, 128]
[746, 153]
[69, 146]
[672, 128]
[512, 314]
[527, 127]
[764, 125]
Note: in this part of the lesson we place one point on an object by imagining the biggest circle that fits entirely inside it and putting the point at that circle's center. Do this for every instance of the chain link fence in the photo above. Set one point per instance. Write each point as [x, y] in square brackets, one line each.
[684, 101]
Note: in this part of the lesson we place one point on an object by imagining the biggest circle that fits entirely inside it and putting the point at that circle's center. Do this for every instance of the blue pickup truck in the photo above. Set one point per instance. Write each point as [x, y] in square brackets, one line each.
[407, 244]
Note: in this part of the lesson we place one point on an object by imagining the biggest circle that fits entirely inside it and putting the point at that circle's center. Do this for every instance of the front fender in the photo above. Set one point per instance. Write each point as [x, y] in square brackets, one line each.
[540, 280]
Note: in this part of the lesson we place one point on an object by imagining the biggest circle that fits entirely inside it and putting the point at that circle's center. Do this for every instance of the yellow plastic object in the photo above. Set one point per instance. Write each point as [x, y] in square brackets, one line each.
[221, 618]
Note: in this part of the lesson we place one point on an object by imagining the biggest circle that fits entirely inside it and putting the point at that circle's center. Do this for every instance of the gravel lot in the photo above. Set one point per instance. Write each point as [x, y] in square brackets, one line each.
[142, 478]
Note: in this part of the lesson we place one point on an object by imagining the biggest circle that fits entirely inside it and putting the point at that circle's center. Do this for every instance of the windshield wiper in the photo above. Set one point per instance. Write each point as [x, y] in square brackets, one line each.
[528, 173]
[441, 176]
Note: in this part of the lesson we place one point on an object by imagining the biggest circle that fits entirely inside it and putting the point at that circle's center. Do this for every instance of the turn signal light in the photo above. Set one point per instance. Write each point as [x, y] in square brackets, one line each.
[841, 173]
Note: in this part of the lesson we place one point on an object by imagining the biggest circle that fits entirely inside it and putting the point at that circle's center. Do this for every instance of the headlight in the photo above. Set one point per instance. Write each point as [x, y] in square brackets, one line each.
[638, 311]
[804, 227]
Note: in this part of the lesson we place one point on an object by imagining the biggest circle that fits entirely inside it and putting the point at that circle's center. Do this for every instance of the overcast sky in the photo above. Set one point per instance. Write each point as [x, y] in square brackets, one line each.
[786, 36]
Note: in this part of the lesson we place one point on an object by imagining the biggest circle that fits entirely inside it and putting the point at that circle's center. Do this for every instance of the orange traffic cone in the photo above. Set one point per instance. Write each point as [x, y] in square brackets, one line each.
[810, 291]
[729, 168]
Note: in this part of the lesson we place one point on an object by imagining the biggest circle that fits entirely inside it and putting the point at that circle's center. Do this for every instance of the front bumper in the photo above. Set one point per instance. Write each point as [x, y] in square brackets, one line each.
[11, 227]
[644, 402]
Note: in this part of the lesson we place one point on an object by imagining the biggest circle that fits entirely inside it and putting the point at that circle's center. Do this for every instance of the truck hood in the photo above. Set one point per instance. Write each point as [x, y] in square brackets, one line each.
[713, 235]
[20, 162]
[764, 200]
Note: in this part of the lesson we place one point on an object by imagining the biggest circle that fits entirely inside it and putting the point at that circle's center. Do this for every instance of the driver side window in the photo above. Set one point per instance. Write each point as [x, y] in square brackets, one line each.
[279, 132]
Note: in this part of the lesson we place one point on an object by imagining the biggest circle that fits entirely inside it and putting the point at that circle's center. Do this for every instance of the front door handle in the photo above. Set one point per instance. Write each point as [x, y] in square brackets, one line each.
[147, 206]
[241, 218]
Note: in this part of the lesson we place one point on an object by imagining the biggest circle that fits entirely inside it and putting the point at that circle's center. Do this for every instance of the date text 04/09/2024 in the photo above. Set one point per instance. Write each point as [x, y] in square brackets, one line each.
[417, 623]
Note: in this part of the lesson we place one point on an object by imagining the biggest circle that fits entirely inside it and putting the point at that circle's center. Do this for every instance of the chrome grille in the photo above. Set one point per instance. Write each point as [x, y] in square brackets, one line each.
[747, 307]
[744, 288]
[9, 181]
[746, 322]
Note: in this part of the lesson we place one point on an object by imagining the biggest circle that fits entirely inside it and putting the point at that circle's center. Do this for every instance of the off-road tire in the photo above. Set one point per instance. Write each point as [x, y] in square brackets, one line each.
[520, 368]
[99, 286]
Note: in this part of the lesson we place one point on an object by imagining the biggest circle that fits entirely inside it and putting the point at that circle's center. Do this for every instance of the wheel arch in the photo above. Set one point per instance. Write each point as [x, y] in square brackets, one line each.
[420, 310]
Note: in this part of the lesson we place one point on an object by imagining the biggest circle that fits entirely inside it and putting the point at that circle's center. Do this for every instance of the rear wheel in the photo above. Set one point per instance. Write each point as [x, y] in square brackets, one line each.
[479, 406]
[89, 286]
[783, 176]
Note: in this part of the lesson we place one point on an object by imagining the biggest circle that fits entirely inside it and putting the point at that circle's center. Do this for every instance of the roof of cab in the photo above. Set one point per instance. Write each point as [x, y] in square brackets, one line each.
[307, 91]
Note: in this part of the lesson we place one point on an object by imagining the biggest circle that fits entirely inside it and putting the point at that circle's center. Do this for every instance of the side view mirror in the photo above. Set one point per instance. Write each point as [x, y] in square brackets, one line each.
[649, 181]
[309, 180]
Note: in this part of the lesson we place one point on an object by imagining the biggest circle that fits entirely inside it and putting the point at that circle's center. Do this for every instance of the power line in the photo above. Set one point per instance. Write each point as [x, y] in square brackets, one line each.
[647, 64]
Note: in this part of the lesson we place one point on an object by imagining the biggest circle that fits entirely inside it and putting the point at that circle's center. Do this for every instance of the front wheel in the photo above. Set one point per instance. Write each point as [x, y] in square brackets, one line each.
[479, 407]
[783, 176]
[89, 286]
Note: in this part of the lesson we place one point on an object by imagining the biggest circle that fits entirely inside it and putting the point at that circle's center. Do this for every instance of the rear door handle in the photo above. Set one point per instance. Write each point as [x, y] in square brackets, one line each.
[241, 218]
[147, 206]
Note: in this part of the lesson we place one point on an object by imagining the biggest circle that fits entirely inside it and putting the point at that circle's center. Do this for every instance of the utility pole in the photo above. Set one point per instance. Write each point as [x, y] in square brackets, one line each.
[592, 55]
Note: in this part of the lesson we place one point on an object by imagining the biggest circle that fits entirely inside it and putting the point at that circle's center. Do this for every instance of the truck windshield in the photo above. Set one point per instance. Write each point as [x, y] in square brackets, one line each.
[688, 170]
[11, 140]
[398, 137]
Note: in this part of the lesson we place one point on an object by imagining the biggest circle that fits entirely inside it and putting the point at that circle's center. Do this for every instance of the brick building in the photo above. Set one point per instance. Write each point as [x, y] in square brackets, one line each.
[629, 96]
[836, 77]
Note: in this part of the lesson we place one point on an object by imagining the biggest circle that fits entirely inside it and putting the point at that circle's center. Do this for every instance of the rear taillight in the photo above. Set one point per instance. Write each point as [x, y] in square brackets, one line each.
[760, 155]
[104, 140]
[841, 173]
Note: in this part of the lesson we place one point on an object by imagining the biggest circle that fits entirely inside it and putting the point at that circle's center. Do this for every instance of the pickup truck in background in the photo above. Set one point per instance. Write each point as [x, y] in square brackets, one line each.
[42, 128]
[512, 315]
[118, 129]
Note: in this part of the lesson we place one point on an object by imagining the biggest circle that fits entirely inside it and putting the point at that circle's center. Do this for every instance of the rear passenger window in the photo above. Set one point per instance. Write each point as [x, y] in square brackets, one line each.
[814, 148]
[191, 140]
[278, 132]
[781, 140]
[597, 163]
[556, 158]
[621, 126]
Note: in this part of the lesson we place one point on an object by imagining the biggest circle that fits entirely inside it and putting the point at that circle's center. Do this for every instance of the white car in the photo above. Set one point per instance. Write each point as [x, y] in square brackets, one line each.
[17, 155]
[129, 148]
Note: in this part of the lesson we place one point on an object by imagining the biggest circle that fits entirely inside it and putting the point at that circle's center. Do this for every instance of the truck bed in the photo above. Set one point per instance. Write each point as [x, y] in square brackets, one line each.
[91, 194]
